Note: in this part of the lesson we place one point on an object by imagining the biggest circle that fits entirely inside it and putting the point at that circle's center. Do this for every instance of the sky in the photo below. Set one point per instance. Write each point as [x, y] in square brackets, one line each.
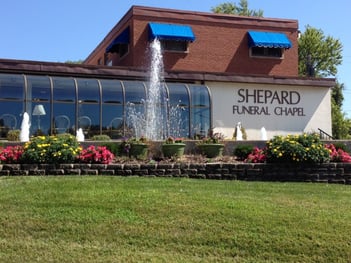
[62, 30]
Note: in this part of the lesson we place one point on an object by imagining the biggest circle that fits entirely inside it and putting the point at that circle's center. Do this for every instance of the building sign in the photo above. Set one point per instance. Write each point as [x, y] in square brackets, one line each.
[267, 102]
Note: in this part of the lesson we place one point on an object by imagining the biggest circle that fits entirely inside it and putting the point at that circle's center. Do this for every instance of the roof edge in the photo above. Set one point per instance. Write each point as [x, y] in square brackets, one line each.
[90, 71]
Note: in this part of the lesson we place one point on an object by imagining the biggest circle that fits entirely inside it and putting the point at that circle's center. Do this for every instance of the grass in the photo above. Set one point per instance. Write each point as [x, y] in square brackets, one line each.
[129, 219]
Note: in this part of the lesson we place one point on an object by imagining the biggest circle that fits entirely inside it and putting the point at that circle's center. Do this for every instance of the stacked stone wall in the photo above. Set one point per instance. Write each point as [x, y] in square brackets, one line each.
[322, 173]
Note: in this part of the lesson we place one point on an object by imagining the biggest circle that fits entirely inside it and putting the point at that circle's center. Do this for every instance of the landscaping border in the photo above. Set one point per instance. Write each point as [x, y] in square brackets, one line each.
[289, 172]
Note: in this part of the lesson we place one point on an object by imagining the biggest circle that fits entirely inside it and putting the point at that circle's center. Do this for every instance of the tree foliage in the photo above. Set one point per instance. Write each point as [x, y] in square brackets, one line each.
[319, 55]
[241, 9]
[340, 124]
[337, 94]
[74, 62]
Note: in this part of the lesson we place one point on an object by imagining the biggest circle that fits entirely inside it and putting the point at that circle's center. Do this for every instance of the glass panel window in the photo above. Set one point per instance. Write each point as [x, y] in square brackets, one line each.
[199, 96]
[112, 91]
[64, 118]
[134, 107]
[112, 120]
[88, 90]
[11, 87]
[64, 89]
[200, 111]
[38, 88]
[200, 125]
[178, 95]
[135, 92]
[89, 119]
[178, 110]
[11, 115]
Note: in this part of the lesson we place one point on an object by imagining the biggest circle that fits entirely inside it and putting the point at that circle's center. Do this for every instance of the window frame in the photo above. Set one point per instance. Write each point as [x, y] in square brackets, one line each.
[176, 46]
[266, 52]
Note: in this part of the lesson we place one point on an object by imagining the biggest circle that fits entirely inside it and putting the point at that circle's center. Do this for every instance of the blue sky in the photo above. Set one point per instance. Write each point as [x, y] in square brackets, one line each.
[61, 30]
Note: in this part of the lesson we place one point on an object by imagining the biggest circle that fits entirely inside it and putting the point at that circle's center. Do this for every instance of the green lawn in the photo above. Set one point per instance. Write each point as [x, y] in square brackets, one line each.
[131, 219]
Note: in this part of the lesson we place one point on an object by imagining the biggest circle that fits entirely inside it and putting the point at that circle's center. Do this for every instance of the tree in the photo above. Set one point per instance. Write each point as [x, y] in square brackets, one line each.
[319, 55]
[231, 8]
[74, 62]
[340, 124]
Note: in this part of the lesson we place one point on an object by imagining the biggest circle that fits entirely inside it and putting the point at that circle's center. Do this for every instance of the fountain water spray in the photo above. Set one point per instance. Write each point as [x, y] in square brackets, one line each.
[156, 120]
[25, 125]
[156, 96]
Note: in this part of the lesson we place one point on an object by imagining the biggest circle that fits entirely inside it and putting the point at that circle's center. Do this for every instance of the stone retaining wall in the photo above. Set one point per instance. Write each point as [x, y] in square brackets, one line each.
[326, 173]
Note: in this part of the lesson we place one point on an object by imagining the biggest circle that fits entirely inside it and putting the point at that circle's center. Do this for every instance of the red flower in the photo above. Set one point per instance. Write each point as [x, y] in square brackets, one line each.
[96, 154]
[338, 155]
[11, 154]
[256, 156]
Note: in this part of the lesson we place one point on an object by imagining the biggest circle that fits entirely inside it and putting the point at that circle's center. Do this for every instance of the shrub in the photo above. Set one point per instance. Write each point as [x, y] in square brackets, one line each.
[243, 150]
[338, 155]
[11, 154]
[306, 148]
[256, 156]
[114, 147]
[96, 154]
[102, 137]
[13, 135]
[51, 149]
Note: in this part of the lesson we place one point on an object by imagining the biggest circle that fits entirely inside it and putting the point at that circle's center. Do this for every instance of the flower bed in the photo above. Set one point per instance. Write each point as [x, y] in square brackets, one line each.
[291, 158]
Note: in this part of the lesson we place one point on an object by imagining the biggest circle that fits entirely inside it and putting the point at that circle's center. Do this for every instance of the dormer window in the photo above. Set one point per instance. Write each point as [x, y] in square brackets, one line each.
[268, 44]
[120, 44]
[173, 37]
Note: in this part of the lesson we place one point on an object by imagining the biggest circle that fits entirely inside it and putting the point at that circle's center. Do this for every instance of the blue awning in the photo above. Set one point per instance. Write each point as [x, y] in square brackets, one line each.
[268, 39]
[122, 38]
[171, 32]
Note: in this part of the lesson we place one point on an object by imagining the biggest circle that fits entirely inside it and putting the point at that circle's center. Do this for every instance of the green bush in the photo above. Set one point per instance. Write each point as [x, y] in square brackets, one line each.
[51, 149]
[305, 148]
[114, 147]
[13, 135]
[243, 150]
[102, 137]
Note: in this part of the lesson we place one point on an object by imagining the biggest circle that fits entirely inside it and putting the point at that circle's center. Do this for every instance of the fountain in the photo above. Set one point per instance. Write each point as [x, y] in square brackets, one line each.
[263, 134]
[156, 121]
[25, 125]
[156, 96]
[239, 134]
[80, 135]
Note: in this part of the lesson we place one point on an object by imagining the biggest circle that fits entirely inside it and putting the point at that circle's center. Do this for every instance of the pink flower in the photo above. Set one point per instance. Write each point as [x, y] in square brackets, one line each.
[11, 154]
[338, 155]
[96, 154]
[256, 156]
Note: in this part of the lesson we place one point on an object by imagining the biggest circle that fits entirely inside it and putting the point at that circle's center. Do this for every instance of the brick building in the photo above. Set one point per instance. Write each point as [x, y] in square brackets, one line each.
[220, 43]
[221, 69]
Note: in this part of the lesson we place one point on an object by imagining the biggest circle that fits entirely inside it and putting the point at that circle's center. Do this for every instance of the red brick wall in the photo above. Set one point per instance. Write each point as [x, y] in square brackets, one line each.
[221, 44]
[219, 48]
